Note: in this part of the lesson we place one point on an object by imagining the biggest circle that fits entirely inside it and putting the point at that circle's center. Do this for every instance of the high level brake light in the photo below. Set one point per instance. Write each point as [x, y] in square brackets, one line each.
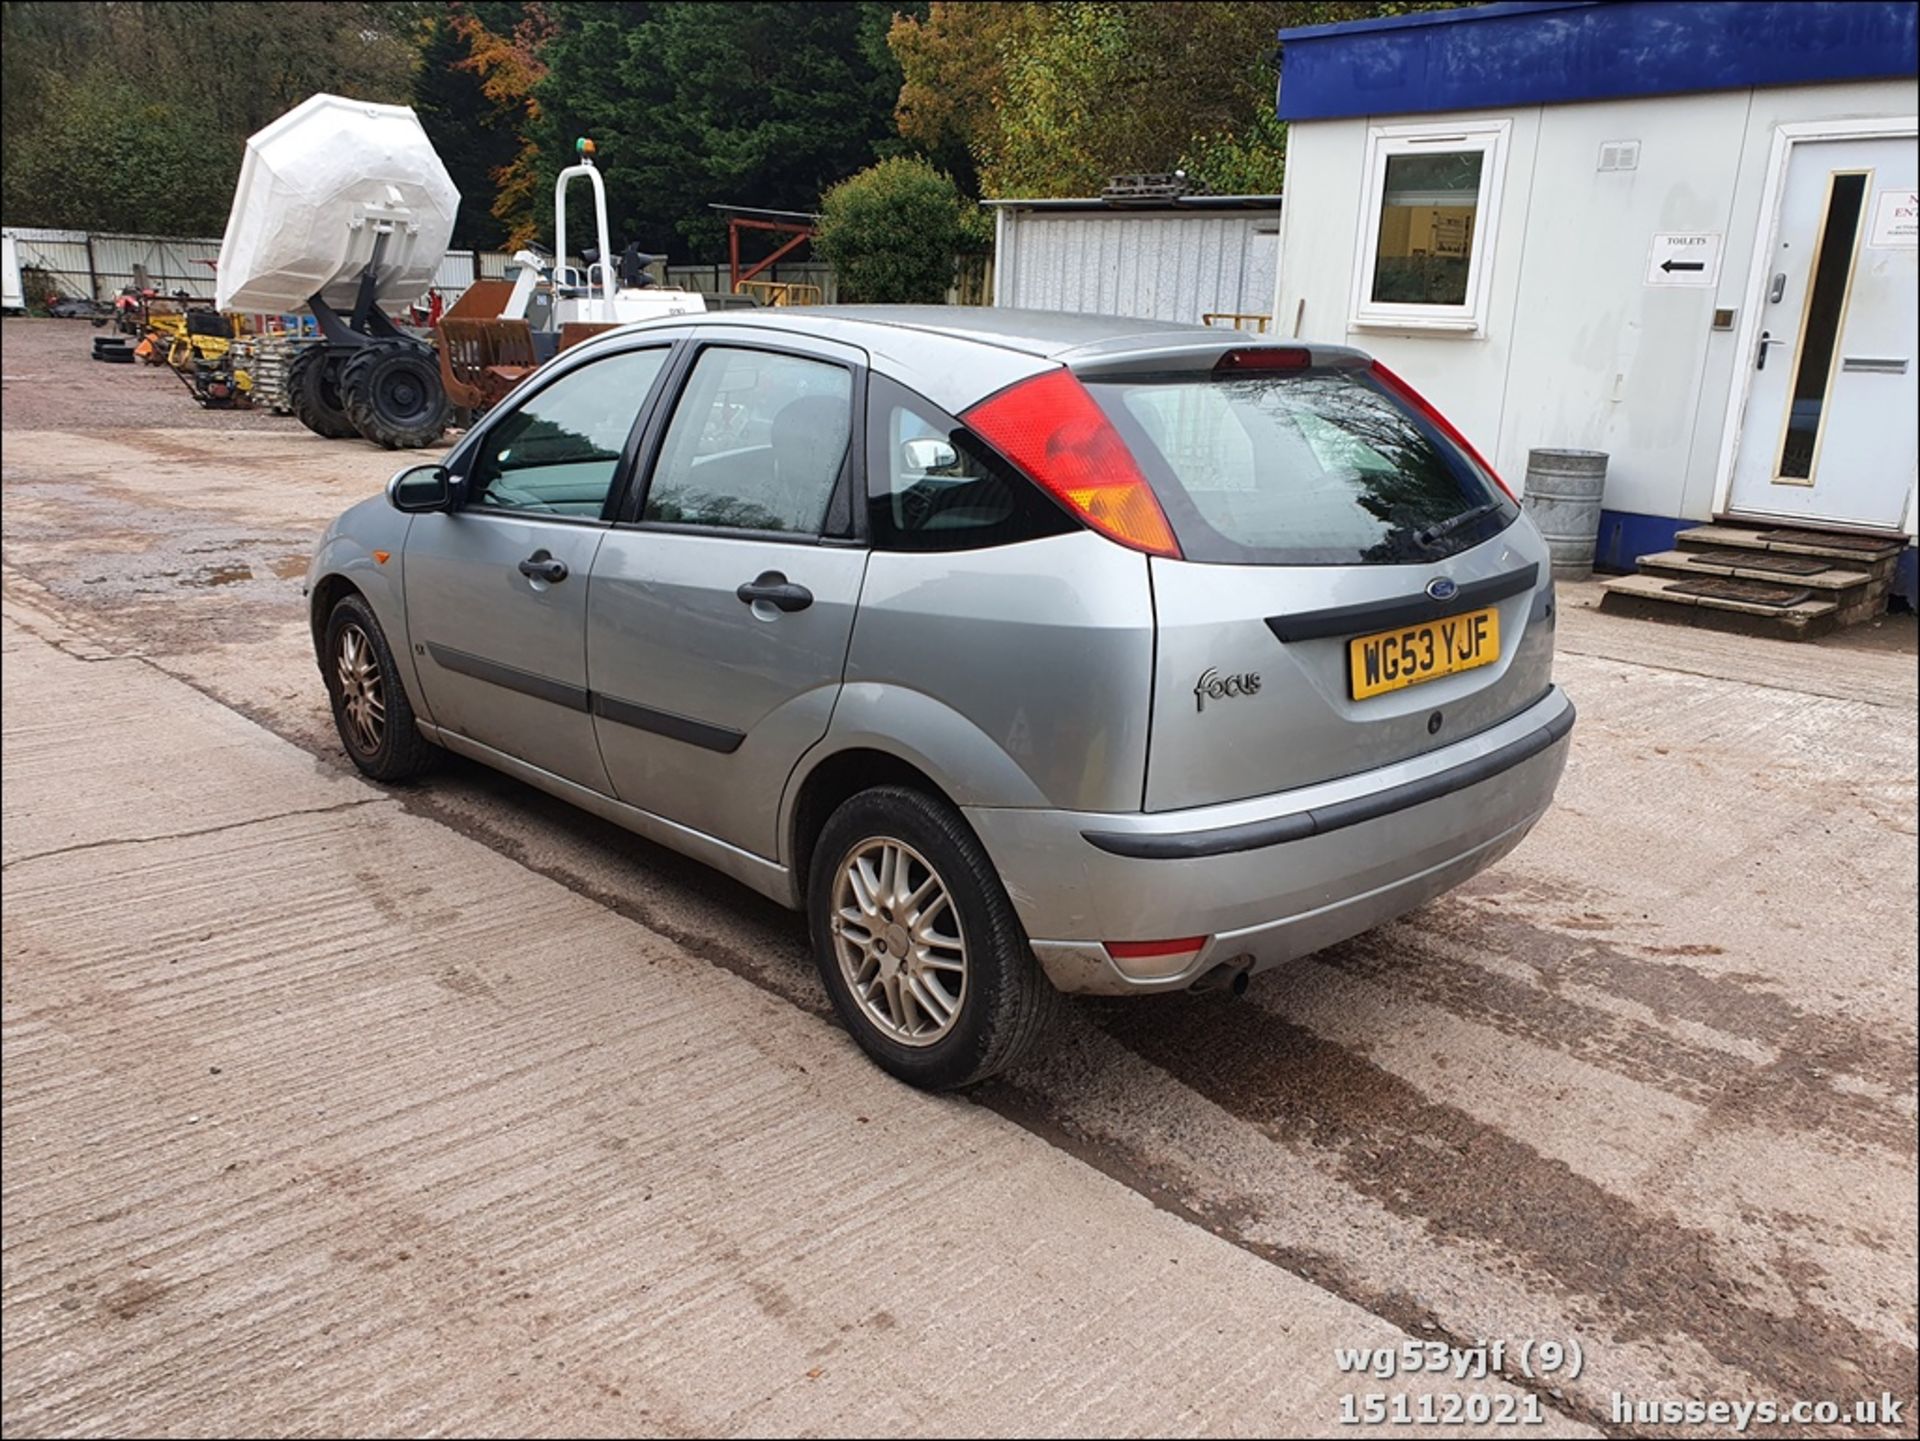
[1266, 357]
[1425, 407]
[1055, 431]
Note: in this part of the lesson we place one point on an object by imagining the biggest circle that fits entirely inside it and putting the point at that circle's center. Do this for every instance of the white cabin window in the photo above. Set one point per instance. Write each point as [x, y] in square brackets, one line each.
[1432, 205]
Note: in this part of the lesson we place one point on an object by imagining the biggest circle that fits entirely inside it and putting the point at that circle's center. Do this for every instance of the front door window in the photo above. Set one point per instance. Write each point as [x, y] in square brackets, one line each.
[558, 452]
[1826, 307]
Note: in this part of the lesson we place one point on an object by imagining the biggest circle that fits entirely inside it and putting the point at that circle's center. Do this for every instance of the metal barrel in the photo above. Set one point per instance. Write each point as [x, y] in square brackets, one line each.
[1563, 496]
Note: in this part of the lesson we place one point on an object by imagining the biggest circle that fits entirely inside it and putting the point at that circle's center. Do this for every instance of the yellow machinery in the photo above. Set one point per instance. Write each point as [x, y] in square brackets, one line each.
[199, 346]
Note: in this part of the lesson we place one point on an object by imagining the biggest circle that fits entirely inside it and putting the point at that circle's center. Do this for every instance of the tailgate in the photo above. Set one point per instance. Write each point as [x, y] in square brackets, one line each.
[1256, 675]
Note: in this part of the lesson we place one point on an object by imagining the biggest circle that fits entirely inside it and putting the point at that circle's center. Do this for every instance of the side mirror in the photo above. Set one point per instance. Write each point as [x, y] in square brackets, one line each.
[925, 456]
[420, 488]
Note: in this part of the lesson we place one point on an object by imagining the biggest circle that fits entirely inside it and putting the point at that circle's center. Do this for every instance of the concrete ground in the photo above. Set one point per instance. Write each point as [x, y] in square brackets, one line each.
[329, 1108]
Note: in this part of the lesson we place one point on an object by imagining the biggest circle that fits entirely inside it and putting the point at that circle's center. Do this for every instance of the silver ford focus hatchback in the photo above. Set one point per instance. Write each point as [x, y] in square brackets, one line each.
[1027, 653]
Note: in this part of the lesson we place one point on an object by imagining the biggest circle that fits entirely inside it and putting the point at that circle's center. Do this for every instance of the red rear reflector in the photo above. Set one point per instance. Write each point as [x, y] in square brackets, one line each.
[1420, 403]
[1054, 431]
[1266, 358]
[1148, 950]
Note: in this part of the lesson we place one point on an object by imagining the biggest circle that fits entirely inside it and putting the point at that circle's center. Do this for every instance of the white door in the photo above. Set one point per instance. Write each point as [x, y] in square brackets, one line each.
[1830, 426]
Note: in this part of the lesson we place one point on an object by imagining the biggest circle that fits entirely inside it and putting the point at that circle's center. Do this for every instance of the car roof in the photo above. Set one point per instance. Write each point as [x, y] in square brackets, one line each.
[957, 354]
[1051, 334]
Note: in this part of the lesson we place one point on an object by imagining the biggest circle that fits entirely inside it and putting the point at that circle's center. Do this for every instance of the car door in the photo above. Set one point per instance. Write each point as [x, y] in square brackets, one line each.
[497, 588]
[721, 606]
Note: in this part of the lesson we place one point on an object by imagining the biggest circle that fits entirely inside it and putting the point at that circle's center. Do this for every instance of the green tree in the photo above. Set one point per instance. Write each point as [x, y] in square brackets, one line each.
[1054, 99]
[172, 90]
[953, 73]
[893, 232]
[758, 104]
[476, 136]
[111, 158]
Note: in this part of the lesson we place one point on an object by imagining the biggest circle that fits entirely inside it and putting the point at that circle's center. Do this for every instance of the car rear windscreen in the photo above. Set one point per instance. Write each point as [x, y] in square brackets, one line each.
[1303, 467]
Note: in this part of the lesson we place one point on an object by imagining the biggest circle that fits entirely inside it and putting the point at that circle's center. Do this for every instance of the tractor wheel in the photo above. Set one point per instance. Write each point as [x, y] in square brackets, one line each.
[394, 395]
[313, 393]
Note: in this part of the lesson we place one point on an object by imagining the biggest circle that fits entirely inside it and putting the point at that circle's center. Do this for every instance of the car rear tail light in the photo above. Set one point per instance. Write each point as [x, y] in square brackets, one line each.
[1425, 408]
[1271, 357]
[1055, 431]
[1150, 960]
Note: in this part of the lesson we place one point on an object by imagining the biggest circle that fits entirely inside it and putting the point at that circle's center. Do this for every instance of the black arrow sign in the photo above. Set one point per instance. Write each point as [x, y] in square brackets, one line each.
[1672, 265]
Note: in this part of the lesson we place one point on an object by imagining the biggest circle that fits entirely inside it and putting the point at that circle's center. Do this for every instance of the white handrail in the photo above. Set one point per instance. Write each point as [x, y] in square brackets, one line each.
[600, 218]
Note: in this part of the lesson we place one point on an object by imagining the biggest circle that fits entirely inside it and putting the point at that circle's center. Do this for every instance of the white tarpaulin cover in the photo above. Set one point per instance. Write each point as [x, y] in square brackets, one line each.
[314, 188]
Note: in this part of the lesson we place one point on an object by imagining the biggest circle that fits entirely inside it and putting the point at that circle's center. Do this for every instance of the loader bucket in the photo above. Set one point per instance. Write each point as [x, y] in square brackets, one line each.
[481, 360]
[575, 331]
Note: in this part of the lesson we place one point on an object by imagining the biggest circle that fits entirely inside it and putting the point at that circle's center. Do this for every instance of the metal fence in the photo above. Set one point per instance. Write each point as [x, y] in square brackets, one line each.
[713, 279]
[83, 264]
[97, 265]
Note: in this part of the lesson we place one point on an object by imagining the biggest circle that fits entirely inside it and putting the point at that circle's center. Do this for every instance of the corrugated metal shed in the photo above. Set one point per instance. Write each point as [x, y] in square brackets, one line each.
[1181, 261]
[455, 274]
[98, 264]
[170, 264]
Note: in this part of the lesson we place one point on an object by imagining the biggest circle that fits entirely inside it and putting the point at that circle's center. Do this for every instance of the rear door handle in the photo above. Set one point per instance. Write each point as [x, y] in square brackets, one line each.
[541, 566]
[776, 590]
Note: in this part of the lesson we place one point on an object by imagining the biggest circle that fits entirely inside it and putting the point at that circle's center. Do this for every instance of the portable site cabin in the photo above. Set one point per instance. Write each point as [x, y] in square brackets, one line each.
[1681, 233]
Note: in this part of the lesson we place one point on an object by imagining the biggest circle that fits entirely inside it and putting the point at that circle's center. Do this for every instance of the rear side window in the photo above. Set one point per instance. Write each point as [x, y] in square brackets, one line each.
[933, 485]
[1306, 467]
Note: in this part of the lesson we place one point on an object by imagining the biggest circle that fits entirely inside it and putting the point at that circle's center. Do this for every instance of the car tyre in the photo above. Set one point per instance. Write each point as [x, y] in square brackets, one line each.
[899, 889]
[370, 706]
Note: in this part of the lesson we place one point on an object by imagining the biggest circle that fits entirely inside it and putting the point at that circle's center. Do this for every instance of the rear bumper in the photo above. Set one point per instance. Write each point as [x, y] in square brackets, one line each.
[1276, 877]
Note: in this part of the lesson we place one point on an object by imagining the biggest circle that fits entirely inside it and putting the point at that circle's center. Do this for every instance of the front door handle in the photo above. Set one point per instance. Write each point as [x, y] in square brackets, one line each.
[776, 590]
[541, 566]
[1766, 340]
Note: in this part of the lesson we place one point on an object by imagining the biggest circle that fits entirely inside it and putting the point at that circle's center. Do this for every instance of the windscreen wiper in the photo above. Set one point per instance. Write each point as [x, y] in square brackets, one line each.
[1459, 522]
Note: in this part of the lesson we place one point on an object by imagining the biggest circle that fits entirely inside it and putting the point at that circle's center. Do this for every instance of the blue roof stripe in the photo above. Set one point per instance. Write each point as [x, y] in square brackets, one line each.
[1430, 17]
[1560, 51]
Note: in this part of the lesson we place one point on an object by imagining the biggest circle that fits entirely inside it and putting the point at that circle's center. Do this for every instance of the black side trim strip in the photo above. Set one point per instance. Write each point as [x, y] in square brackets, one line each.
[666, 723]
[573, 697]
[1404, 610]
[1254, 835]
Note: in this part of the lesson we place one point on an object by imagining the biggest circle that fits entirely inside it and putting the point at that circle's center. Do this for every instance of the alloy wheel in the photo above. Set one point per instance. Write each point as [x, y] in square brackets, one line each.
[897, 936]
[362, 690]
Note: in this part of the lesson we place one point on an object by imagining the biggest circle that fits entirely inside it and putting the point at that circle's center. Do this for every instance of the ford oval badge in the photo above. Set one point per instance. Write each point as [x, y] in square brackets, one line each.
[1440, 588]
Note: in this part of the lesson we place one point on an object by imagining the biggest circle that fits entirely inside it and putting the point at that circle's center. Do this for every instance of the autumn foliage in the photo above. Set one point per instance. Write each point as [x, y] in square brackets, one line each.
[510, 69]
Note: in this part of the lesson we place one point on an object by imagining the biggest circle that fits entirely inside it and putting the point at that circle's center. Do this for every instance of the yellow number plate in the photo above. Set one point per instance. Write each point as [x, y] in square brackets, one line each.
[1392, 659]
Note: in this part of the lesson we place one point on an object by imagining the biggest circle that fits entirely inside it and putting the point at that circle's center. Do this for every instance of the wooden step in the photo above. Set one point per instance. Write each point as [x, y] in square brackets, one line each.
[1682, 563]
[1650, 597]
[1873, 554]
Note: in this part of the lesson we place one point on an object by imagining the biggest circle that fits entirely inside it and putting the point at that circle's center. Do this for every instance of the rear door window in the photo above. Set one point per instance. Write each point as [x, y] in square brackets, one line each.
[1307, 467]
[758, 442]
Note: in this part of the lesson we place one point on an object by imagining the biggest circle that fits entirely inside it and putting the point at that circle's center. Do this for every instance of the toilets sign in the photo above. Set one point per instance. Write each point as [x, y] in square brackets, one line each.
[1690, 258]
